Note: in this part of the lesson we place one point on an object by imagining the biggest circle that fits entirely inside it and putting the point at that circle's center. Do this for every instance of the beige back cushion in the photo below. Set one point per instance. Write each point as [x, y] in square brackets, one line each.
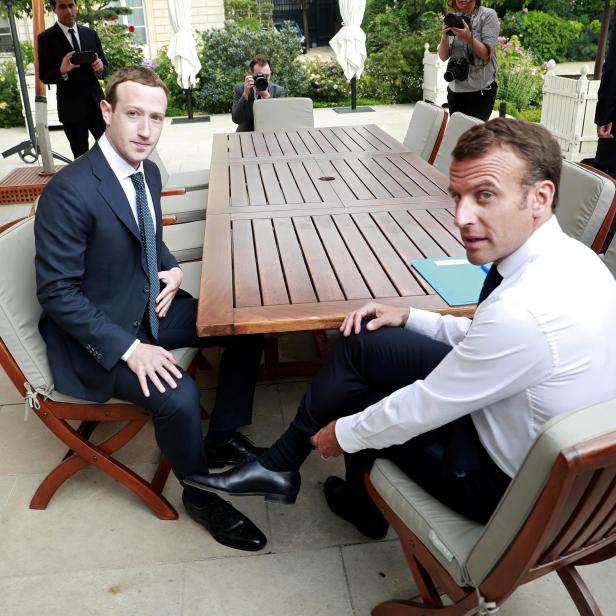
[424, 128]
[275, 113]
[457, 124]
[164, 174]
[584, 200]
[185, 240]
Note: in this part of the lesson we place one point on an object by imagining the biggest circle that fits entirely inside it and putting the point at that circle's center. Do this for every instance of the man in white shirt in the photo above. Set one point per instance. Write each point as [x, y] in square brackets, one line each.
[113, 307]
[457, 403]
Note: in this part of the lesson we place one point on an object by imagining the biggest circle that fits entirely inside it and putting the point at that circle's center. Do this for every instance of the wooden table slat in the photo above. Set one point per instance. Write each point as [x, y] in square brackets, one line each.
[298, 144]
[248, 148]
[258, 140]
[254, 184]
[298, 280]
[273, 287]
[272, 144]
[352, 180]
[337, 143]
[345, 138]
[338, 184]
[271, 185]
[419, 237]
[245, 275]
[324, 188]
[439, 234]
[359, 139]
[378, 144]
[285, 144]
[347, 272]
[378, 133]
[323, 276]
[313, 146]
[438, 178]
[370, 181]
[287, 183]
[411, 187]
[397, 270]
[304, 182]
[235, 147]
[384, 179]
[239, 196]
[445, 217]
[376, 278]
[425, 182]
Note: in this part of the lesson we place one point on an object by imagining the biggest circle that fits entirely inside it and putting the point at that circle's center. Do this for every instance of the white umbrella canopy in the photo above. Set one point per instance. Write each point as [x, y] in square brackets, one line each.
[349, 44]
[182, 48]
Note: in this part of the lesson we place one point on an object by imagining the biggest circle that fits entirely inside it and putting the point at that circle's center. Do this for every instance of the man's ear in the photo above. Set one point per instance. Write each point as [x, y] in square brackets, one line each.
[106, 110]
[543, 195]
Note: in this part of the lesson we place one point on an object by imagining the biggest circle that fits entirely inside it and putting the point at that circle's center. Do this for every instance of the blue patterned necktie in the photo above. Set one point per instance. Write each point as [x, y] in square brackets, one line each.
[493, 279]
[148, 241]
[74, 39]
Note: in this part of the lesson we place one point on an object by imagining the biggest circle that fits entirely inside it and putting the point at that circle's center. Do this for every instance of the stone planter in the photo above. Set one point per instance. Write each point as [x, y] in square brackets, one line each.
[434, 84]
[568, 111]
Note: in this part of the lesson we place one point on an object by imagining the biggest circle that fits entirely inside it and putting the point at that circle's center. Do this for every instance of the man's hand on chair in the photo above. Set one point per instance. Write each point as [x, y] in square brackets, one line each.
[325, 441]
[155, 363]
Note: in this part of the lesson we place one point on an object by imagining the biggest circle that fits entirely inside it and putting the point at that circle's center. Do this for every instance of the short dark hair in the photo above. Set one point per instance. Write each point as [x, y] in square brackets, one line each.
[261, 60]
[138, 74]
[533, 143]
[452, 4]
[53, 3]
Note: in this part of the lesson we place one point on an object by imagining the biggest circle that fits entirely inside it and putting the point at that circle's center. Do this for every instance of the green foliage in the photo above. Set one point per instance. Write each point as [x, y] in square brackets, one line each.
[10, 103]
[119, 45]
[327, 81]
[546, 36]
[95, 13]
[164, 68]
[27, 52]
[250, 14]
[519, 78]
[225, 55]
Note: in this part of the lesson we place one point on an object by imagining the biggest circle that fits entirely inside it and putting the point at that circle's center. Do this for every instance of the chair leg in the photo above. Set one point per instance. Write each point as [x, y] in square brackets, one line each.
[98, 455]
[579, 592]
[400, 607]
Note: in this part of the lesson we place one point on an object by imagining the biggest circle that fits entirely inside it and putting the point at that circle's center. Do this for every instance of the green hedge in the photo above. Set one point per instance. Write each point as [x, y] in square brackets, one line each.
[10, 103]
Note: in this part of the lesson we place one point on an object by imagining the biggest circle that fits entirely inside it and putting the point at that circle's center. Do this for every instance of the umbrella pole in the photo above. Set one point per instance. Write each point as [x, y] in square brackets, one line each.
[188, 93]
[353, 93]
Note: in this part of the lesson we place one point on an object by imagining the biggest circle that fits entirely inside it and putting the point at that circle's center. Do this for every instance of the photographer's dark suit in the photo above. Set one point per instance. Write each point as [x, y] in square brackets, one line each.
[241, 113]
[79, 95]
[606, 110]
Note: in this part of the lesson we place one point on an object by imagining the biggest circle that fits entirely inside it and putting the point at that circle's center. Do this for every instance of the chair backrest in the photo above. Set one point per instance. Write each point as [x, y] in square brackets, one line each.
[561, 501]
[155, 158]
[586, 200]
[19, 309]
[426, 130]
[609, 258]
[456, 125]
[292, 112]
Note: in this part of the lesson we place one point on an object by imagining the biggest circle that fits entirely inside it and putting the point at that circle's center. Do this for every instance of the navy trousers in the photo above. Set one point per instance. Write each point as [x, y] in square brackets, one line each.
[176, 413]
[449, 462]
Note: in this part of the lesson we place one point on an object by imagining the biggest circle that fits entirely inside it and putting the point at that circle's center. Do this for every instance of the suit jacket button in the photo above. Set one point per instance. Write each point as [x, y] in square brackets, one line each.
[146, 289]
[135, 323]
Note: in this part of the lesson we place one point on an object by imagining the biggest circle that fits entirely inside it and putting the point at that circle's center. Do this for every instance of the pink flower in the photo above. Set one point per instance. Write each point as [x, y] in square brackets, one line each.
[513, 18]
[525, 10]
[112, 17]
[131, 28]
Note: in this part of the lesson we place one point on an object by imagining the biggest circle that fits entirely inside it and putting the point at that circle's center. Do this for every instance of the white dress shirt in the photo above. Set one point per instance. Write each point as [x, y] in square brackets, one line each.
[123, 170]
[543, 343]
[68, 36]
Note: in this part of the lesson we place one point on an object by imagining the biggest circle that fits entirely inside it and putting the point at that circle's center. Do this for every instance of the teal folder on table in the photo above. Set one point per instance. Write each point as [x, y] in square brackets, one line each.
[456, 280]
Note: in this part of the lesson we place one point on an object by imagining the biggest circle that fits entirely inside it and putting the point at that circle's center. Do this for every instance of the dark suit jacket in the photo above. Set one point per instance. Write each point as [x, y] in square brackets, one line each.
[91, 273]
[82, 83]
[241, 113]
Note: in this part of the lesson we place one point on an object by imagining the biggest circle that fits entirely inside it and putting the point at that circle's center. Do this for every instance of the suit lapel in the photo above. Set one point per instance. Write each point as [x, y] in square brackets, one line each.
[62, 40]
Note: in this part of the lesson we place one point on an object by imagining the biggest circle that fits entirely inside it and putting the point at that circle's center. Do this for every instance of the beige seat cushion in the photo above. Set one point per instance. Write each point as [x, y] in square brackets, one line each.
[276, 113]
[191, 281]
[469, 551]
[584, 200]
[188, 207]
[185, 240]
[457, 124]
[424, 128]
[190, 180]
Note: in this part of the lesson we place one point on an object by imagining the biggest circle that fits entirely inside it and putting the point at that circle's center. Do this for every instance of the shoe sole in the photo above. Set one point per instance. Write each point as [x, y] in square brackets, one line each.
[284, 499]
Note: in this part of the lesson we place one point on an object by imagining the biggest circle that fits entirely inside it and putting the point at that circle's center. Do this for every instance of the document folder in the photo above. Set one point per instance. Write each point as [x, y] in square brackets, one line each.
[456, 280]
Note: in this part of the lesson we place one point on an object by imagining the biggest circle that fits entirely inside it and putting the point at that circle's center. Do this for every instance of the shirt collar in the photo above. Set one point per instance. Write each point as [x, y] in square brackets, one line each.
[121, 168]
[65, 28]
[533, 247]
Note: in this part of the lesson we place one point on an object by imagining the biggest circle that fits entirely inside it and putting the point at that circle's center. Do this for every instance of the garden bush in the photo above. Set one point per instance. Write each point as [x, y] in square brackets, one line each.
[327, 81]
[119, 45]
[10, 103]
[176, 96]
[546, 36]
[225, 55]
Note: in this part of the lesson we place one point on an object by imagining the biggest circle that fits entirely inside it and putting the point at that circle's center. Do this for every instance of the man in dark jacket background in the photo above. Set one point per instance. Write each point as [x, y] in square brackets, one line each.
[79, 93]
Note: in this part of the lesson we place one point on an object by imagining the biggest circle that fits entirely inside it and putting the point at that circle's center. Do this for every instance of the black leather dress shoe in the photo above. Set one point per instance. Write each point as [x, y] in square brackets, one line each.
[226, 524]
[236, 450]
[250, 479]
[364, 516]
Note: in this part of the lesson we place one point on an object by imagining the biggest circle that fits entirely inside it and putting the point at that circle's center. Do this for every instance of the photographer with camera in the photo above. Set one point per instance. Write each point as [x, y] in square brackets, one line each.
[257, 84]
[468, 41]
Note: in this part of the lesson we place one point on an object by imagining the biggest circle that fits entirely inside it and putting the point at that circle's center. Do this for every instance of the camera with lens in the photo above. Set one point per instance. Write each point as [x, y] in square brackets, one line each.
[457, 68]
[261, 81]
[457, 21]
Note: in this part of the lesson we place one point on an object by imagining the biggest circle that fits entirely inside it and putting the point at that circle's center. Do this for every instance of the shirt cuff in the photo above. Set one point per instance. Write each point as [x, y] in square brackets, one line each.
[423, 321]
[346, 435]
[64, 76]
[130, 349]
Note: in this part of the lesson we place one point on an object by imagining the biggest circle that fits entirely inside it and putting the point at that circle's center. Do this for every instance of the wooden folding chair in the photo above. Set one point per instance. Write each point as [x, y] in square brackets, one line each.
[426, 129]
[23, 356]
[559, 512]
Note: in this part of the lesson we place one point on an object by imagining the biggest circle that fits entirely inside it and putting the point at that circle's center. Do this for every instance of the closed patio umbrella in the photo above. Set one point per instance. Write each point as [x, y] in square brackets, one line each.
[182, 48]
[349, 44]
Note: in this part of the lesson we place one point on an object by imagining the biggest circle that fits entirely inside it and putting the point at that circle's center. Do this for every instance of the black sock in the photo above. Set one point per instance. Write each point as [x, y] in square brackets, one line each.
[288, 452]
[219, 437]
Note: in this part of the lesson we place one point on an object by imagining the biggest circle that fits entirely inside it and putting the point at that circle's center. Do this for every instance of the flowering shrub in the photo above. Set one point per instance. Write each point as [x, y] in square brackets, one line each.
[519, 78]
[119, 45]
[164, 68]
[327, 81]
[10, 103]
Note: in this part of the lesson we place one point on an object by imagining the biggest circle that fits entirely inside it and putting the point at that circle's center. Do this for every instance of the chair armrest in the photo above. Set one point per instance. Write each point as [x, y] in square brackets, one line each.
[172, 192]
[169, 220]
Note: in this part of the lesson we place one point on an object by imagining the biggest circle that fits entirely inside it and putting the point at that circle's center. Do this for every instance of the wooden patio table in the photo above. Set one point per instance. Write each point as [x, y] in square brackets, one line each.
[305, 225]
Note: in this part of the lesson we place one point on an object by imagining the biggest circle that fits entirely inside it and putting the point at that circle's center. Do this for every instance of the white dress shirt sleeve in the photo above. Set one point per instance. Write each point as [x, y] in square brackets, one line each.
[503, 353]
[444, 328]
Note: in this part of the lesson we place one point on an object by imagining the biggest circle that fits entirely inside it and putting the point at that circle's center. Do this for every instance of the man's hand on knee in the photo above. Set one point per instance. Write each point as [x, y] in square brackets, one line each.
[325, 441]
[155, 363]
[378, 315]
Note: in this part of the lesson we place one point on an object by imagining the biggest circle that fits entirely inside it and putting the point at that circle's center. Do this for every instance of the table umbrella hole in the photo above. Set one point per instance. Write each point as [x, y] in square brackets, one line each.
[327, 178]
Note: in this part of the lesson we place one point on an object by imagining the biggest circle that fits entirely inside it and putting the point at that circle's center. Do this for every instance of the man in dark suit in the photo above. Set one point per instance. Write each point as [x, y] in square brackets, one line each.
[605, 113]
[110, 290]
[244, 94]
[79, 94]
